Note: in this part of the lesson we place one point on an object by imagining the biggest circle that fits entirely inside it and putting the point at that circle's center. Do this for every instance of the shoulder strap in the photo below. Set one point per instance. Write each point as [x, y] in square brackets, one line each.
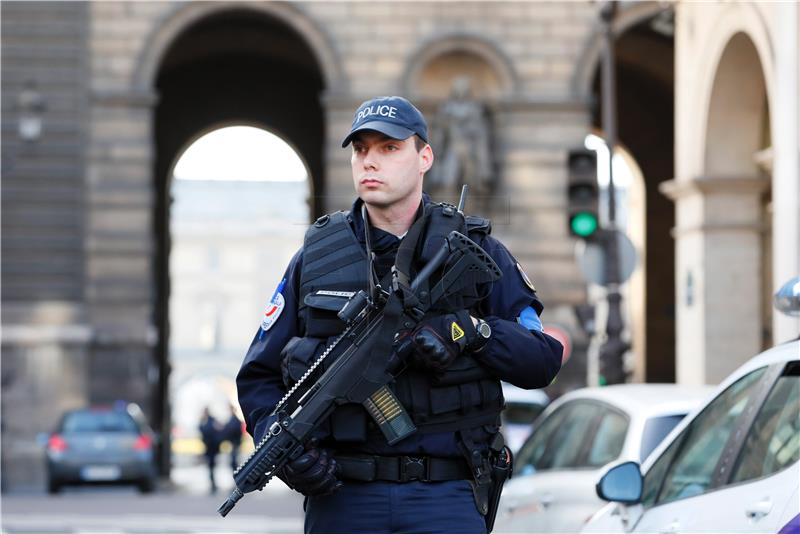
[478, 225]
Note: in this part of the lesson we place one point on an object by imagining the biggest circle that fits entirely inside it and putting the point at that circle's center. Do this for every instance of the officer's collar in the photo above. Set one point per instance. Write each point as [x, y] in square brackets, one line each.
[380, 237]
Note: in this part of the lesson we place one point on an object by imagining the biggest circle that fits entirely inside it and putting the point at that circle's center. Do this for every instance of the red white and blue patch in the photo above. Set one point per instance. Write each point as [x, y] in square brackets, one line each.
[272, 312]
[274, 308]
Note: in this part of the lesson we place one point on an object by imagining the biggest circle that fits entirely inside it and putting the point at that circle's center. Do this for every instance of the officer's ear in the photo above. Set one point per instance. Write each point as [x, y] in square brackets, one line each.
[425, 158]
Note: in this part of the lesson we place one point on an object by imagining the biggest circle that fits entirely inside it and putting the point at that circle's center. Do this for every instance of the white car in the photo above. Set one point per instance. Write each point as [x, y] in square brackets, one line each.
[555, 471]
[732, 466]
[523, 406]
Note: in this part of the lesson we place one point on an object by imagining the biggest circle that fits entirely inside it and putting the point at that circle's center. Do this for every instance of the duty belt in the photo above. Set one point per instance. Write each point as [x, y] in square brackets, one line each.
[367, 468]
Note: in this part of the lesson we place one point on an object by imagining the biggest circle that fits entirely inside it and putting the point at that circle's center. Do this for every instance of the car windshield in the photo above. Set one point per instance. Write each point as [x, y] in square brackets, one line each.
[655, 430]
[580, 434]
[98, 421]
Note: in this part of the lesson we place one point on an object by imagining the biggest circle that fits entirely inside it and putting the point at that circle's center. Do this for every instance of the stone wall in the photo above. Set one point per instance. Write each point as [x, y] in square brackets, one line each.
[81, 282]
[45, 333]
[373, 47]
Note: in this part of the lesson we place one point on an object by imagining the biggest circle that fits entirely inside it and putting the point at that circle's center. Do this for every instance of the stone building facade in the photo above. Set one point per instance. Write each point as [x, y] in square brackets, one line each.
[737, 181]
[129, 85]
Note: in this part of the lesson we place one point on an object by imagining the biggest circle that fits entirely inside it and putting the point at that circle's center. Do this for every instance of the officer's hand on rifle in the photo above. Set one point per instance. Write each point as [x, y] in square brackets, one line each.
[313, 472]
[438, 340]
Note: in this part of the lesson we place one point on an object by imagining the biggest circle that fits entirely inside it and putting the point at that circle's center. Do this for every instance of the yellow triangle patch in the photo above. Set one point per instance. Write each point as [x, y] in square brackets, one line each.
[456, 332]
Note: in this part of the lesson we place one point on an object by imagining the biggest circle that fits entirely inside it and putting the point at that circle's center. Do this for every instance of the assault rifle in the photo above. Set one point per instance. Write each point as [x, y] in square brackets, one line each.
[364, 358]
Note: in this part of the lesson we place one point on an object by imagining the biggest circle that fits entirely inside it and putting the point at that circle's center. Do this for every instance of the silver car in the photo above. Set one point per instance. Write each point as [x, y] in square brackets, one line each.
[523, 406]
[575, 439]
[101, 445]
[733, 466]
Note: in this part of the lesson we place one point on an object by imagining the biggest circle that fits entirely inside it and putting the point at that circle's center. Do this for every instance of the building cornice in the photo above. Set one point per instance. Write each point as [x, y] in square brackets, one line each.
[504, 104]
[678, 188]
[125, 98]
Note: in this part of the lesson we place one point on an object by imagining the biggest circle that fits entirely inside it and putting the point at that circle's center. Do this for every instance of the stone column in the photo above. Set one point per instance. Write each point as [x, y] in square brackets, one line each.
[339, 190]
[120, 288]
[718, 274]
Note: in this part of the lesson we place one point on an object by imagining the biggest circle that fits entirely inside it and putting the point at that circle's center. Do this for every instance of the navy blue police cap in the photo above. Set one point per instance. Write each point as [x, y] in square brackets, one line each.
[390, 115]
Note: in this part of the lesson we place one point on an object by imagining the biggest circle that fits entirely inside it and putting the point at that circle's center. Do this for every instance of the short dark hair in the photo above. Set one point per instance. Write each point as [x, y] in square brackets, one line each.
[419, 144]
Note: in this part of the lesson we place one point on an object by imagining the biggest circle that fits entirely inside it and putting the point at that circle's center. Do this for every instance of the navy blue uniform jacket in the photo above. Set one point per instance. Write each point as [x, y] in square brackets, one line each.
[526, 358]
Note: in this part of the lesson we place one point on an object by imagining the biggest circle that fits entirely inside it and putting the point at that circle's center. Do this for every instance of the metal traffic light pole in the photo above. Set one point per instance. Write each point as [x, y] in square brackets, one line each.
[612, 350]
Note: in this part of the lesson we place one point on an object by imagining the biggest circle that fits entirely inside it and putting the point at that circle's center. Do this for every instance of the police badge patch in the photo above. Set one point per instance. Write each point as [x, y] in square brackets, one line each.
[525, 277]
[274, 308]
[273, 311]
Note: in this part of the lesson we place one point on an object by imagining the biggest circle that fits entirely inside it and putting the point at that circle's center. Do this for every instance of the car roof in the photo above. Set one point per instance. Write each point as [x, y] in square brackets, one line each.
[512, 393]
[784, 352]
[644, 400]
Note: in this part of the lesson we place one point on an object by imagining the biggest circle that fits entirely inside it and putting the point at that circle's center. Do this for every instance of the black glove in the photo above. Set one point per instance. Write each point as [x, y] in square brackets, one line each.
[313, 472]
[438, 340]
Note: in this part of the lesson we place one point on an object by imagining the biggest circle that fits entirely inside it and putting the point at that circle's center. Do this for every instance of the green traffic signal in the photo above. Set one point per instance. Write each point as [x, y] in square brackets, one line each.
[583, 224]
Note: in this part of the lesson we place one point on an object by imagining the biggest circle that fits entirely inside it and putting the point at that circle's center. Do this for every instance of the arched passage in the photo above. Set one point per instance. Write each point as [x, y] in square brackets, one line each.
[644, 58]
[235, 65]
[722, 197]
[238, 203]
[737, 164]
[738, 117]
[738, 145]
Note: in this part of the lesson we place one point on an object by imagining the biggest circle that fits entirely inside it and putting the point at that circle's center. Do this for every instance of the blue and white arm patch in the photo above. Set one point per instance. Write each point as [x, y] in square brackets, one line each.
[530, 319]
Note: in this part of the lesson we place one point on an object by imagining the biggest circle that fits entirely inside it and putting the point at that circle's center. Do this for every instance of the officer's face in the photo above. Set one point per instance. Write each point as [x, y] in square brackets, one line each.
[388, 171]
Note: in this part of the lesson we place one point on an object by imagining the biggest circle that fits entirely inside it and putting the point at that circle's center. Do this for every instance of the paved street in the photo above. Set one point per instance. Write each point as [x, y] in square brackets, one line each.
[183, 507]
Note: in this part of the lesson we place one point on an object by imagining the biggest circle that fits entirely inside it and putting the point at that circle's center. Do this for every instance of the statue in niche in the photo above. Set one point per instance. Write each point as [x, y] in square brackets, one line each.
[462, 140]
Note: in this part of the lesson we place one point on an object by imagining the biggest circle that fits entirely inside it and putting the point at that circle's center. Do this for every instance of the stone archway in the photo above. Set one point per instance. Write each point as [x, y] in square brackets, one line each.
[737, 109]
[431, 68]
[586, 67]
[738, 146]
[724, 222]
[183, 16]
[234, 65]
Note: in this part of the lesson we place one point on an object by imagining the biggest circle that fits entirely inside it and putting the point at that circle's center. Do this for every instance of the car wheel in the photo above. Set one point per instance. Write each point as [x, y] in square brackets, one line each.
[147, 485]
[53, 487]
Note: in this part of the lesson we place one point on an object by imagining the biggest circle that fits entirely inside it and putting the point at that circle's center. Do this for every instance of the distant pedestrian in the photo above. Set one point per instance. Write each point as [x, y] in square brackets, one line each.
[211, 433]
[232, 432]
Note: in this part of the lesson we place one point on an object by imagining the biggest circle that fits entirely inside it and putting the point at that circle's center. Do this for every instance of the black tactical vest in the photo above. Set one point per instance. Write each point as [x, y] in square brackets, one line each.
[335, 266]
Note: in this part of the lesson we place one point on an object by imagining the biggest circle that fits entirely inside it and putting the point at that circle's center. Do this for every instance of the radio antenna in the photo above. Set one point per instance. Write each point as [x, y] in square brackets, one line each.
[463, 199]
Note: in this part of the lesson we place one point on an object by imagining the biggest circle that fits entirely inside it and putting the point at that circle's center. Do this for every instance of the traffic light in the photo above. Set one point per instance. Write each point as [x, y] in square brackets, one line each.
[582, 193]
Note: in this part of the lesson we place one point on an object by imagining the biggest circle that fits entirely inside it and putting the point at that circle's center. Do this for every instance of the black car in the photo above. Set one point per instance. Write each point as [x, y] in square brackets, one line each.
[102, 445]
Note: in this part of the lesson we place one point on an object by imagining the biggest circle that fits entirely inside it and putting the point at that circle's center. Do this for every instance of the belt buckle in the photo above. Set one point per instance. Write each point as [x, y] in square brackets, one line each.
[412, 468]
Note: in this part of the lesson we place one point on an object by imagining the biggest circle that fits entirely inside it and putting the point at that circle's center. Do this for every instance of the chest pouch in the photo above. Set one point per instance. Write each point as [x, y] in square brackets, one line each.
[297, 357]
[321, 309]
[464, 369]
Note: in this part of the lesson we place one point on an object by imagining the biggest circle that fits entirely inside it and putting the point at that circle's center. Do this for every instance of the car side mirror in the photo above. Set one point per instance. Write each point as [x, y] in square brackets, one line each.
[622, 483]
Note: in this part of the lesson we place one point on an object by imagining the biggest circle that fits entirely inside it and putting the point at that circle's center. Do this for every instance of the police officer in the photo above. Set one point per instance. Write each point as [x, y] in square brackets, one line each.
[439, 478]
